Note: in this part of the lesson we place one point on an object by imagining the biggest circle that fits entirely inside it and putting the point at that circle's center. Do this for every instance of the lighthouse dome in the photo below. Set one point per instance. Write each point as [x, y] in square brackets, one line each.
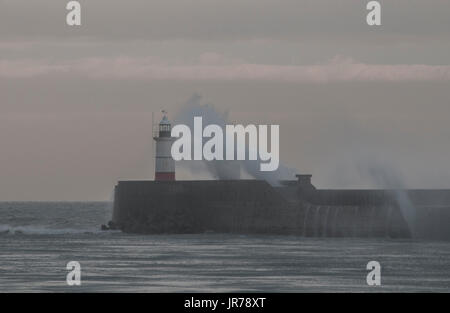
[164, 121]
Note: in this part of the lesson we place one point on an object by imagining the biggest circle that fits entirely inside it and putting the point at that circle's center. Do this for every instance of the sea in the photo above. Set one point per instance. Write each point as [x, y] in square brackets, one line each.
[39, 239]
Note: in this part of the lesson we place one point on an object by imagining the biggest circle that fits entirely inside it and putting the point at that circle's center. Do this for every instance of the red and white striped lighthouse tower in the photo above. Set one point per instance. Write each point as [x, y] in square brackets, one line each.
[164, 163]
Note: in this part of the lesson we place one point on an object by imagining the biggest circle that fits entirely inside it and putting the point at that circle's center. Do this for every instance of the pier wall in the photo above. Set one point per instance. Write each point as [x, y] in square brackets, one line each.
[253, 206]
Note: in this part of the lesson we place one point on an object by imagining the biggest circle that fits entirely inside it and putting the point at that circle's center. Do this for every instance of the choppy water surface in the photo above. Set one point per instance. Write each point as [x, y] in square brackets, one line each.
[38, 239]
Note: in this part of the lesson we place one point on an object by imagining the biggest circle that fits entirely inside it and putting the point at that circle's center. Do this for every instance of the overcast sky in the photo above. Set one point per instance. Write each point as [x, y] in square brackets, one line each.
[76, 102]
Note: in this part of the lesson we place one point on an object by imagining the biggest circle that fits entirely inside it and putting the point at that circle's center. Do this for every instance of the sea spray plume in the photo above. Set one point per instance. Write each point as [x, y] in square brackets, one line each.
[225, 169]
[216, 169]
[386, 177]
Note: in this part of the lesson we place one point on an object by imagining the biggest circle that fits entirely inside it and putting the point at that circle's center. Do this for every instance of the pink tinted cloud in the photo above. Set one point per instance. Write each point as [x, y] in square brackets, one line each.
[215, 67]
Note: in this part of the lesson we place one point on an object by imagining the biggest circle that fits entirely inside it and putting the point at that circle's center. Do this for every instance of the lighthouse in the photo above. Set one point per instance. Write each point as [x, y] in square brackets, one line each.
[164, 163]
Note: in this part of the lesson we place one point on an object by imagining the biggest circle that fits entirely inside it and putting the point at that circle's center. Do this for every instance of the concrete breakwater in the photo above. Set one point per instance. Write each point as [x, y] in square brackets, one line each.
[297, 208]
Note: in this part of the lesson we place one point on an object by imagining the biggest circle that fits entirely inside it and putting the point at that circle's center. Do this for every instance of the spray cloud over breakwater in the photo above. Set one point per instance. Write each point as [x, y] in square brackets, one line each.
[426, 212]
[223, 170]
[384, 176]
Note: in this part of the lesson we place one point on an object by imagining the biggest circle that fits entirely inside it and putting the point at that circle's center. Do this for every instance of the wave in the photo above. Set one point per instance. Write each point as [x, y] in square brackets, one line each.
[43, 230]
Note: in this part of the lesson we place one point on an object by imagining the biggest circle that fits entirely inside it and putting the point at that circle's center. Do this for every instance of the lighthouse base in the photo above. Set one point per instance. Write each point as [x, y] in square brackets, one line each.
[165, 176]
